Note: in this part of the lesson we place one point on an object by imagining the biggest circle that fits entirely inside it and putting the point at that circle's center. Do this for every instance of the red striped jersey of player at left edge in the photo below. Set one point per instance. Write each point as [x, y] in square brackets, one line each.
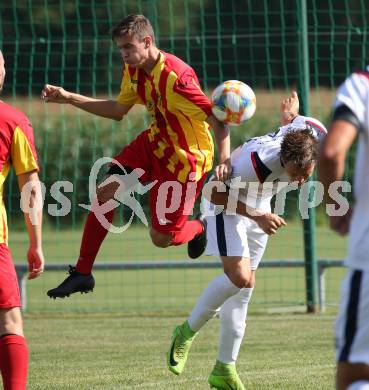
[17, 150]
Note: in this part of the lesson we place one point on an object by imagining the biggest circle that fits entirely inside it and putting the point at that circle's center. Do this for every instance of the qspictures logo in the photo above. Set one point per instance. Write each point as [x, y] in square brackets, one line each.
[170, 195]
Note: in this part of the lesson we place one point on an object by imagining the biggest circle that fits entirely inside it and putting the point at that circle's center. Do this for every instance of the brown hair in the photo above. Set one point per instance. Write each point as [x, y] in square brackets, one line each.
[300, 147]
[132, 24]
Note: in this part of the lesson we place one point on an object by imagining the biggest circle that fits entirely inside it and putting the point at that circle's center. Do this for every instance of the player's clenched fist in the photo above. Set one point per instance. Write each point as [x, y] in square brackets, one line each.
[270, 222]
[54, 94]
[36, 262]
[223, 171]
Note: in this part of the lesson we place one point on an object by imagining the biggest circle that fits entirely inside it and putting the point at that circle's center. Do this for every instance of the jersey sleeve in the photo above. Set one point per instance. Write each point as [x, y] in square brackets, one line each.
[353, 94]
[247, 165]
[128, 88]
[189, 98]
[23, 152]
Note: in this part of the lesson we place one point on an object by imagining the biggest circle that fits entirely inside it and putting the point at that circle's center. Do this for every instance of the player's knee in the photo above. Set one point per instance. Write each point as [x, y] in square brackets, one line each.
[349, 373]
[242, 278]
[159, 239]
[11, 321]
[160, 243]
[251, 282]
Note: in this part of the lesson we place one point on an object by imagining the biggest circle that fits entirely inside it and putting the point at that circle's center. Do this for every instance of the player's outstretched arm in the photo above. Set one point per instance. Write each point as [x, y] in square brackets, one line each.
[224, 169]
[289, 108]
[30, 188]
[106, 108]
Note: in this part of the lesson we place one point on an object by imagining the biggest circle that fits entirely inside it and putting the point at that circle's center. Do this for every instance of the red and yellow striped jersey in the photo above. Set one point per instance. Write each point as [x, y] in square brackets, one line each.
[179, 134]
[17, 149]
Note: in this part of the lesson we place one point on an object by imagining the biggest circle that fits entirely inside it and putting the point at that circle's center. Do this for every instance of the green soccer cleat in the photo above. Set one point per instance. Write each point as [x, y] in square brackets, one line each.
[225, 377]
[182, 339]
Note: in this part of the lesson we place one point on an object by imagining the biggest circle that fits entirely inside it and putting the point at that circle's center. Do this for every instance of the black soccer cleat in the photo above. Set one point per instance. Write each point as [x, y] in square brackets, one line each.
[196, 247]
[75, 282]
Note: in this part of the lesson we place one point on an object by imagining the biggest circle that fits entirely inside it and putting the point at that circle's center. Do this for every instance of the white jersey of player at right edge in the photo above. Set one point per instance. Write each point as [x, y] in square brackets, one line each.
[350, 121]
[354, 93]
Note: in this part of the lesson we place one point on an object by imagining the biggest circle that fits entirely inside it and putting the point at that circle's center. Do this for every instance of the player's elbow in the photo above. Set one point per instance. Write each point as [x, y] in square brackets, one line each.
[117, 110]
[118, 117]
[214, 198]
[330, 154]
[218, 196]
[213, 191]
[210, 195]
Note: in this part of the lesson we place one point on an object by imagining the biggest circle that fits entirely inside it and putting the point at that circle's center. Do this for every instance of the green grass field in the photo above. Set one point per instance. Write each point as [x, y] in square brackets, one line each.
[113, 351]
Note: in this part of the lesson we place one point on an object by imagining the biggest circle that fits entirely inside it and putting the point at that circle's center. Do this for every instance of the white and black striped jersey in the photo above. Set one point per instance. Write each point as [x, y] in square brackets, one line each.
[352, 104]
[257, 162]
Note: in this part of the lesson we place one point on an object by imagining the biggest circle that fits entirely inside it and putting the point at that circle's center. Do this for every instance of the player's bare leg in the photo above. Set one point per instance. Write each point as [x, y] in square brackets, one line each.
[196, 245]
[161, 240]
[239, 271]
[11, 321]
[349, 373]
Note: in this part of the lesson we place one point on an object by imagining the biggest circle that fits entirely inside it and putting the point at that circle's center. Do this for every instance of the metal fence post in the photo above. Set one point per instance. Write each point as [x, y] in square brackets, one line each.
[309, 224]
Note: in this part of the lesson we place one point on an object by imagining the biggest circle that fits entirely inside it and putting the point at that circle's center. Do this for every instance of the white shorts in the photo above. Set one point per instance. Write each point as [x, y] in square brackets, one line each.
[234, 235]
[352, 323]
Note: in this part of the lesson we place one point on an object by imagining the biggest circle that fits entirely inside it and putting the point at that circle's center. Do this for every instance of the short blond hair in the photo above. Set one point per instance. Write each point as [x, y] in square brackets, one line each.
[133, 25]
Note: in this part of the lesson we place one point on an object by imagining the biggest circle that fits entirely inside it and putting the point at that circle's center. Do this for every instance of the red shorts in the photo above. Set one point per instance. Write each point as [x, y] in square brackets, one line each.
[171, 202]
[9, 289]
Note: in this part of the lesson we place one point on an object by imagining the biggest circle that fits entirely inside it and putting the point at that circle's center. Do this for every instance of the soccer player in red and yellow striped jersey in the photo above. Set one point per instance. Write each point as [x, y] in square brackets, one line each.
[16, 149]
[176, 148]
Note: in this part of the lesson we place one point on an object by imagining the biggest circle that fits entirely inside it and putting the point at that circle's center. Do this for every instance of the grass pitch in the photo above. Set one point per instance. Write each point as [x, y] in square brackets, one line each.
[114, 351]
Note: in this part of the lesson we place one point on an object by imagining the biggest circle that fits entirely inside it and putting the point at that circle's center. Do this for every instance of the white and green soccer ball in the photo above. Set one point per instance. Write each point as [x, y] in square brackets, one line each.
[233, 102]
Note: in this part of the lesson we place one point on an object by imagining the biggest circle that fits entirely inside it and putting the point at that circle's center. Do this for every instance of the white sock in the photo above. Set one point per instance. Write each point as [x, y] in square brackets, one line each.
[233, 324]
[215, 294]
[359, 385]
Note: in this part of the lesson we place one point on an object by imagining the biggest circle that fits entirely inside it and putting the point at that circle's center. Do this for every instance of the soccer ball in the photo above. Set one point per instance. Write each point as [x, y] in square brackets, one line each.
[233, 102]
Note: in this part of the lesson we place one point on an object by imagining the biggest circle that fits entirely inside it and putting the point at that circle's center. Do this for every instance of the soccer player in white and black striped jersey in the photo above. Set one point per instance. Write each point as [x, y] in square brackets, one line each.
[350, 120]
[266, 164]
